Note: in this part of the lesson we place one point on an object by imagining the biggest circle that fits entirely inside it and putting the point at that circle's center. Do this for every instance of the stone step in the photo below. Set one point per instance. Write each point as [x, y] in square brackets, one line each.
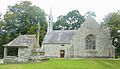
[38, 58]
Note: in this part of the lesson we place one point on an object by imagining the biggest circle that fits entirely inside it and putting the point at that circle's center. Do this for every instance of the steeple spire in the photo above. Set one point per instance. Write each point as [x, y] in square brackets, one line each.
[50, 22]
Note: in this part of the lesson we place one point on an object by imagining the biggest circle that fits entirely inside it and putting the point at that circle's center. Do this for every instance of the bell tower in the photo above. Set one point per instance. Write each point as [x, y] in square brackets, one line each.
[50, 22]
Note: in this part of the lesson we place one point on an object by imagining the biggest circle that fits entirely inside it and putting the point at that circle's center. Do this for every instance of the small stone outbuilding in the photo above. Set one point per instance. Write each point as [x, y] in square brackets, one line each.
[24, 48]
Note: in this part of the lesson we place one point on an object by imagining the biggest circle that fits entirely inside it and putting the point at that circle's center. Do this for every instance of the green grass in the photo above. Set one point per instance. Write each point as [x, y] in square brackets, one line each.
[67, 64]
[118, 56]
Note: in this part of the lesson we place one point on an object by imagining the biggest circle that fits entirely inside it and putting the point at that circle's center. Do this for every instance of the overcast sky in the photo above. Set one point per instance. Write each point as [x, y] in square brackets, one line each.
[61, 7]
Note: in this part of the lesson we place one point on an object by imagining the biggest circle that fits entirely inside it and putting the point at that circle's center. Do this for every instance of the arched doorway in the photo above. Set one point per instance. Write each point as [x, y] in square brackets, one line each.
[62, 53]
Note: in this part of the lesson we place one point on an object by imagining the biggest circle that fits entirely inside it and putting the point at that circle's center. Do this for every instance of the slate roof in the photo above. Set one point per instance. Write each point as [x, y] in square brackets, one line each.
[59, 36]
[65, 36]
[22, 40]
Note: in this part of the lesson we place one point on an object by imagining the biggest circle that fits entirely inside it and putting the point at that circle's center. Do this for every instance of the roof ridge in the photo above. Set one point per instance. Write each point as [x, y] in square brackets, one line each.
[21, 40]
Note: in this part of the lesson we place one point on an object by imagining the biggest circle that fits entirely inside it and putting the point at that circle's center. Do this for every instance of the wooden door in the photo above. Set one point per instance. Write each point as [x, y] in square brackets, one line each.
[62, 53]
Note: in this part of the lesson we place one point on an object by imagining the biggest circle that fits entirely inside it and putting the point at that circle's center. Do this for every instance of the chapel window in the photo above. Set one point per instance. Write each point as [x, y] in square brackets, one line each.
[90, 42]
[62, 45]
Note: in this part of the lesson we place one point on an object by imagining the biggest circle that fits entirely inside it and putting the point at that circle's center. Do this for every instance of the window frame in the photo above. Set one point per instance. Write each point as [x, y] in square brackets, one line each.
[90, 41]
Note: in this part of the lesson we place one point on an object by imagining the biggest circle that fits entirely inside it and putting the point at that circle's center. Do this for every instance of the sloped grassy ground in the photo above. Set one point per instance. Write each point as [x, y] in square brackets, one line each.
[67, 64]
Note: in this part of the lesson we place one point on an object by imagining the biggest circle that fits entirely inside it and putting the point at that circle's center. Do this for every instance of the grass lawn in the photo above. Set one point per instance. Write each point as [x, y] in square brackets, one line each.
[67, 64]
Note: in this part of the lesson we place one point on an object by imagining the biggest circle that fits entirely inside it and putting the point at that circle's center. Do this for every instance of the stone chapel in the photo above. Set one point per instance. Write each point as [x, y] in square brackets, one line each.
[89, 41]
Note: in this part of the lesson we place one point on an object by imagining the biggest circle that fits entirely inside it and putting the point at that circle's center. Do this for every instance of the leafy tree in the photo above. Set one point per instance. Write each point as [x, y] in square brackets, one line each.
[3, 37]
[22, 19]
[112, 21]
[71, 21]
[61, 22]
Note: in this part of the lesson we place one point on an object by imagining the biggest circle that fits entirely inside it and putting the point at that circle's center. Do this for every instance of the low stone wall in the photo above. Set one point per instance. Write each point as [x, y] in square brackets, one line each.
[24, 56]
[10, 59]
[37, 56]
[22, 60]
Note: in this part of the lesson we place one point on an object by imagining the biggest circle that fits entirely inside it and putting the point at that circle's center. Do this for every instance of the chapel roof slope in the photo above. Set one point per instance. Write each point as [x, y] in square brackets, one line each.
[59, 36]
[22, 40]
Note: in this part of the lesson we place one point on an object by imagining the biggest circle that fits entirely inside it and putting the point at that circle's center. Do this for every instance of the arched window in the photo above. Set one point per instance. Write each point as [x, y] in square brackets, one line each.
[90, 41]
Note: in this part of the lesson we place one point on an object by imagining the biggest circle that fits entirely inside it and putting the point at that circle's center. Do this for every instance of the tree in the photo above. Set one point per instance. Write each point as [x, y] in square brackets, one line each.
[3, 36]
[71, 21]
[22, 19]
[61, 22]
[112, 21]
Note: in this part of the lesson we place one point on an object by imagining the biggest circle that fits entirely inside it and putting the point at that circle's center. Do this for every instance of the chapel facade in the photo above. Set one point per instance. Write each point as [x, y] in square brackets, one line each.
[89, 41]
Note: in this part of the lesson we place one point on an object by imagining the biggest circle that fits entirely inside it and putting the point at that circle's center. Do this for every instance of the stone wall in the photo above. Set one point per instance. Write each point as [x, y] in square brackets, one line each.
[26, 55]
[53, 50]
[23, 55]
[103, 42]
[37, 55]
[10, 59]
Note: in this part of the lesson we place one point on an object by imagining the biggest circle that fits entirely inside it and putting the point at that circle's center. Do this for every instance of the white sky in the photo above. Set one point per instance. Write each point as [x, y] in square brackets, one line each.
[61, 7]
